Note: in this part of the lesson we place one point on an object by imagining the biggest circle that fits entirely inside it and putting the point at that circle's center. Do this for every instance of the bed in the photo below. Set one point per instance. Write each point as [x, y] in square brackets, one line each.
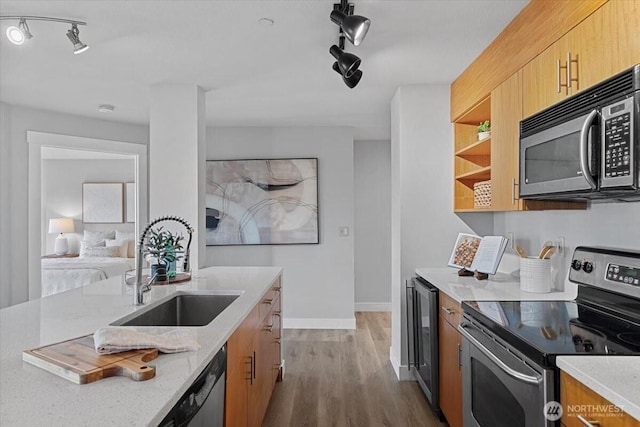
[62, 274]
[100, 258]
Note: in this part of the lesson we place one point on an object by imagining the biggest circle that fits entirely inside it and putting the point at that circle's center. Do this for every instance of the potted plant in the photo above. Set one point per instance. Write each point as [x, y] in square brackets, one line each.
[162, 247]
[484, 130]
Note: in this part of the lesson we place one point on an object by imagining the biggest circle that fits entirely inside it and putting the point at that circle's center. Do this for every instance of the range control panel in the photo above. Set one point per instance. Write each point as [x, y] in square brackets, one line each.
[623, 274]
[612, 269]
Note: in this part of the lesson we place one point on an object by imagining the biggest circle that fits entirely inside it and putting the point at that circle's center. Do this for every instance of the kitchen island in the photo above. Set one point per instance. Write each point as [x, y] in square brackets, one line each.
[32, 396]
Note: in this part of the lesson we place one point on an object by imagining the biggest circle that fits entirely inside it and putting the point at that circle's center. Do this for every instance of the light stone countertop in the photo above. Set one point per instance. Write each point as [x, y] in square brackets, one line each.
[498, 287]
[616, 378]
[30, 396]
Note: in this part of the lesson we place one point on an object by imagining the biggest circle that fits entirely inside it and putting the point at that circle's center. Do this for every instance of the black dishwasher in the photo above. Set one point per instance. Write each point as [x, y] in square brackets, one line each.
[203, 403]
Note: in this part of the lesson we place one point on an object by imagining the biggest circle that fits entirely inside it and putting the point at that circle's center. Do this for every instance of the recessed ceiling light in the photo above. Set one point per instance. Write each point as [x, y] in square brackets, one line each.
[106, 108]
[266, 21]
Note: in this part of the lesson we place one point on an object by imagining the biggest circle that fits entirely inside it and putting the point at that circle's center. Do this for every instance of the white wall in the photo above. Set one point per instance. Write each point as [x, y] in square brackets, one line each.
[318, 282]
[424, 227]
[62, 194]
[372, 227]
[602, 224]
[14, 222]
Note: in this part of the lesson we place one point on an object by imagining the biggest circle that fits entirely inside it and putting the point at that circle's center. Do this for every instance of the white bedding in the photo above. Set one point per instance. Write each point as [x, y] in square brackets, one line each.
[62, 274]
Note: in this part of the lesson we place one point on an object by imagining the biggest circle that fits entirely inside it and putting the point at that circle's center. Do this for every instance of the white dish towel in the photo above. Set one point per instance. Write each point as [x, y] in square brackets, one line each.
[116, 339]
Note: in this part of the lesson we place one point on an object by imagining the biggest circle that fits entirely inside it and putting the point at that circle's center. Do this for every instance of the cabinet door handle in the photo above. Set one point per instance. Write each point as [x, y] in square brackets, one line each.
[267, 301]
[447, 310]
[587, 423]
[569, 61]
[513, 191]
[253, 369]
[459, 357]
[269, 328]
[277, 313]
[558, 77]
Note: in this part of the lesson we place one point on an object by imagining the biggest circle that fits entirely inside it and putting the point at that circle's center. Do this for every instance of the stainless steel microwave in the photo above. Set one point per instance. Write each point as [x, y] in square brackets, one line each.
[586, 147]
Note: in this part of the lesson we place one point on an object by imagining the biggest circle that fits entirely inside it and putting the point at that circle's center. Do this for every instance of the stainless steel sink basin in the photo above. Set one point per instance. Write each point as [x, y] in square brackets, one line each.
[184, 309]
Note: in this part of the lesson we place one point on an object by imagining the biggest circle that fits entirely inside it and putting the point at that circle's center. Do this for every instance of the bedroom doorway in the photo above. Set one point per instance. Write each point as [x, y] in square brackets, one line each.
[45, 149]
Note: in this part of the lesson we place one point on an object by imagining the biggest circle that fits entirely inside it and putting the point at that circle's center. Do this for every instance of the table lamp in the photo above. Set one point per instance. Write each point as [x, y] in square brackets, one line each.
[61, 225]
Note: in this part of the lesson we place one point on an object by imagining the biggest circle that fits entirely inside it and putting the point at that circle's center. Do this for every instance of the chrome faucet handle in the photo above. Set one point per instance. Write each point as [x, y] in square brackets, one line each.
[139, 289]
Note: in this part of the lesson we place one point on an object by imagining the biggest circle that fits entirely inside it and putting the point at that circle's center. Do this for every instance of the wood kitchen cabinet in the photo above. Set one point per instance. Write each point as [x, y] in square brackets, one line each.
[576, 399]
[605, 43]
[495, 158]
[450, 342]
[252, 367]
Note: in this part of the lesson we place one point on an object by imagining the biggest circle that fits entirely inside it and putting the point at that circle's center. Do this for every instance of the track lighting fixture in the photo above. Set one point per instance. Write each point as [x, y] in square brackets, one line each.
[348, 63]
[354, 27]
[78, 46]
[18, 35]
[350, 81]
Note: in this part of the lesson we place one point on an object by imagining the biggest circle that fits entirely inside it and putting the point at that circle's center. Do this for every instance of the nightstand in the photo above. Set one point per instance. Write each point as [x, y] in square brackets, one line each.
[60, 256]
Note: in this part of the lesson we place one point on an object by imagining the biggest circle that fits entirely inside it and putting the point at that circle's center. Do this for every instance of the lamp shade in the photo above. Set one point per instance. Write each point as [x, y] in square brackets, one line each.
[352, 81]
[355, 27]
[61, 225]
[348, 63]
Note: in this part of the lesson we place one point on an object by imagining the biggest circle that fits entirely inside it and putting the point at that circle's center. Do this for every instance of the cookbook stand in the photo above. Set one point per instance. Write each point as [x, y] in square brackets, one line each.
[463, 272]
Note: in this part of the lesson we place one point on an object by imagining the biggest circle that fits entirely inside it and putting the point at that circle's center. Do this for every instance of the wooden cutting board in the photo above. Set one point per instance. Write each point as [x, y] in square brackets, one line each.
[77, 361]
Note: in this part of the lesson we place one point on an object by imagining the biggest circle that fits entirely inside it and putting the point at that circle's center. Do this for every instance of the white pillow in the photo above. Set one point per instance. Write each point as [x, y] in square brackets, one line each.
[98, 251]
[122, 245]
[131, 237]
[85, 244]
[96, 236]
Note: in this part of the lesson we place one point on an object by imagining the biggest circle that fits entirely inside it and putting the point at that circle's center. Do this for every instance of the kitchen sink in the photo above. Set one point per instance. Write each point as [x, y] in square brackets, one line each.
[184, 309]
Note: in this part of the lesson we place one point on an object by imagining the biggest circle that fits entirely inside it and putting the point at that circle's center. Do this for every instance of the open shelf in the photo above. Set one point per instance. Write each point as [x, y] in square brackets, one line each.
[481, 174]
[479, 148]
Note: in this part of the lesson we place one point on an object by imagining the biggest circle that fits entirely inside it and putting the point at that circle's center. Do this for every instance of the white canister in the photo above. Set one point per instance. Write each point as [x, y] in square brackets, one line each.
[535, 275]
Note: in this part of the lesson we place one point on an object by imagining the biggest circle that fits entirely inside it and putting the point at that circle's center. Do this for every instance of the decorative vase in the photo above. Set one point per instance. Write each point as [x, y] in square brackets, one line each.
[160, 273]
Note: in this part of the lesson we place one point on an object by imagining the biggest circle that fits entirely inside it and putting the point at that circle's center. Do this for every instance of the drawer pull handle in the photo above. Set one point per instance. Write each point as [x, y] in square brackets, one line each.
[269, 328]
[587, 423]
[277, 313]
[447, 310]
[267, 301]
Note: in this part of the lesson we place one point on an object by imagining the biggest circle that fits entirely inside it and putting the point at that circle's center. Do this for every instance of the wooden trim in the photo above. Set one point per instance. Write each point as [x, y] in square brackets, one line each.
[535, 28]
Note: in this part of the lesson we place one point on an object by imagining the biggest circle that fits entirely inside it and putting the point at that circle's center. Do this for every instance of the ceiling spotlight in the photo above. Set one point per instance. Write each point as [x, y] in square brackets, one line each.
[78, 46]
[352, 81]
[348, 63]
[17, 35]
[355, 27]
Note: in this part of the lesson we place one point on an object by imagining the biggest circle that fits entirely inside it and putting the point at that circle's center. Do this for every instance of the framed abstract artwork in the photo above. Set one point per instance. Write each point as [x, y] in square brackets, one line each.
[102, 202]
[262, 202]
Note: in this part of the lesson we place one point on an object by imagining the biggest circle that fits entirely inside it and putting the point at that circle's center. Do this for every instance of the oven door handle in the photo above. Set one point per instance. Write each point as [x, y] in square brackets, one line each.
[508, 370]
[584, 149]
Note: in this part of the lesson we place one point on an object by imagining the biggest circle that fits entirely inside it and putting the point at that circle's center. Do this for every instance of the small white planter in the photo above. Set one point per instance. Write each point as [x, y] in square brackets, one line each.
[483, 135]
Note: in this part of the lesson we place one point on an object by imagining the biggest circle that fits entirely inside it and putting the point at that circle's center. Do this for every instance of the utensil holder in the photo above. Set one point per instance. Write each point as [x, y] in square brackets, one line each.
[535, 275]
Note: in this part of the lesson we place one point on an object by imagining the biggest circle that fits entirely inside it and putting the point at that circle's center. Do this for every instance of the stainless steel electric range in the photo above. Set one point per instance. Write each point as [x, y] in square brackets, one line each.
[510, 347]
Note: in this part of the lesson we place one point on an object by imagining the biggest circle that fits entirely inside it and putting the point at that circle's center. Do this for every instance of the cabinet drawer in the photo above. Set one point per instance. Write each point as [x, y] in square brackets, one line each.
[579, 400]
[450, 309]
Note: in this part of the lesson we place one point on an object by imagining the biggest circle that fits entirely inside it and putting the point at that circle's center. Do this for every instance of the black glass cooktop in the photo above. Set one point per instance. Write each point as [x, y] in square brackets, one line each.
[543, 330]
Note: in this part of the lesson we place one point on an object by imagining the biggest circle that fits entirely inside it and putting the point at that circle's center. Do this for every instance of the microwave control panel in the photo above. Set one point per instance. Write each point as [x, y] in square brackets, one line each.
[617, 150]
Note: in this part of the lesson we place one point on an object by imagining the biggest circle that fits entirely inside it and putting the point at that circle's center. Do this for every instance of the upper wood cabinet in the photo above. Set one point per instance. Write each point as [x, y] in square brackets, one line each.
[605, 43]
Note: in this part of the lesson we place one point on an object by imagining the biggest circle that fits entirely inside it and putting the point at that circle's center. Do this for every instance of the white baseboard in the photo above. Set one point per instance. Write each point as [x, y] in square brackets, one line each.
[289, 323]
[372, 306]
[402, 371]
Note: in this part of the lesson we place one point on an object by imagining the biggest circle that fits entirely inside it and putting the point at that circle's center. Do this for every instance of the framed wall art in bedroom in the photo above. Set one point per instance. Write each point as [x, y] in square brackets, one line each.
[262, 202]
[102, 203]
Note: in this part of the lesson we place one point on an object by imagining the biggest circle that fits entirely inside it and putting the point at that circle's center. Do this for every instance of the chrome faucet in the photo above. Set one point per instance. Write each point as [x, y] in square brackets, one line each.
[138, 287]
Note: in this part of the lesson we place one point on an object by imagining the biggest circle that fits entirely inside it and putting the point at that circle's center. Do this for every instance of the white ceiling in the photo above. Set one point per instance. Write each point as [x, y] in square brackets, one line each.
[254, 75]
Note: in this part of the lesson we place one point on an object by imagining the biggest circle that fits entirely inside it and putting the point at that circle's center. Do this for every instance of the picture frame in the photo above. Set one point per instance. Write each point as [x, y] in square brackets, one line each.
[262, 202]
[102, 202]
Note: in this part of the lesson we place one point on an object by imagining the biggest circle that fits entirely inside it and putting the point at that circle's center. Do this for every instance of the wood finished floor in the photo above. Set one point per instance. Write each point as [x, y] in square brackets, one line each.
[344, 378]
